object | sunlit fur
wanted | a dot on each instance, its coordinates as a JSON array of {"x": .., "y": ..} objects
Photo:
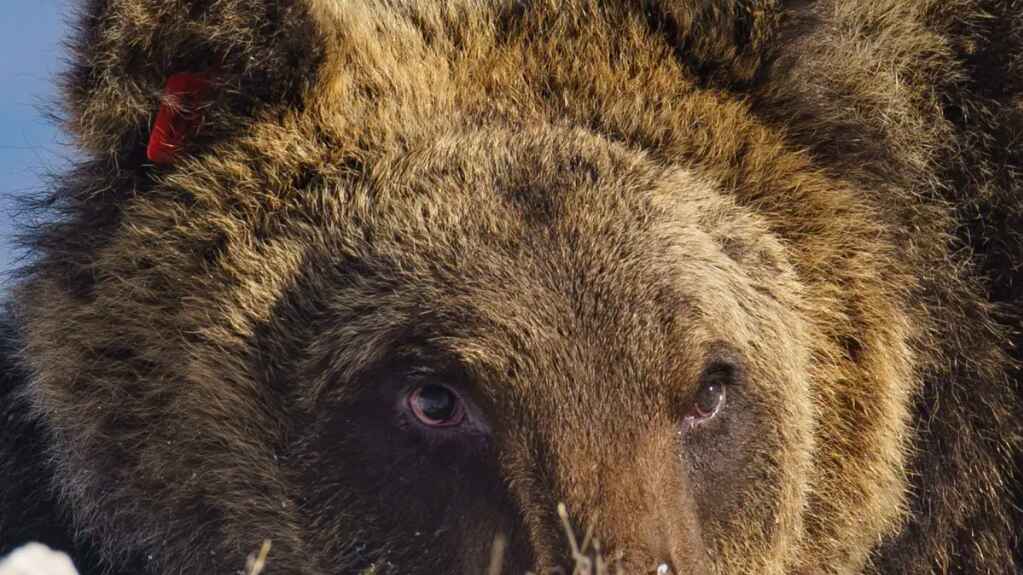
[{"x": 572, "y": 200}]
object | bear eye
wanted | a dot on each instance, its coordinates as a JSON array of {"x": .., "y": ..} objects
[
  {"x": 709, "y": 399},
  {"x": 436, "y": 406}
]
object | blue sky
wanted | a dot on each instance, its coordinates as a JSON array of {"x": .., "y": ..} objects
[{"x": 31, "y": 36}]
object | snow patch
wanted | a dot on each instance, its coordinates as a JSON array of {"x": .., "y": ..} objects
[{"x": 37, "y": 559}]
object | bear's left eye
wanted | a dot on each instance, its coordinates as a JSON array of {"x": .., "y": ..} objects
[
  {"x": 709, "y": 399},
  {"x": 436, "y": 405}
]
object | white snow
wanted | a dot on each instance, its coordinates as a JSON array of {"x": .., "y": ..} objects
[{"x": 36, "y": 559}]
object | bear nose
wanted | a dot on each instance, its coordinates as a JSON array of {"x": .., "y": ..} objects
[{"x": 664, "y": 569}]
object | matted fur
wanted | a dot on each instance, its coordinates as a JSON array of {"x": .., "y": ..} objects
[{"x": 576, "y": 207}]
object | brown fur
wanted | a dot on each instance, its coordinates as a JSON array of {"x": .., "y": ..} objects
[{"x": 571, "y": 210}]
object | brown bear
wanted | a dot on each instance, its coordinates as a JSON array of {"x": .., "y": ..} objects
[{"x": 678, "y": 286}]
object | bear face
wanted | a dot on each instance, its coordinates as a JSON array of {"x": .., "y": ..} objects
[
  {"x": 546, "y": 365},
  {"x": 486, "y": 275},
  {"x": 411, "y": 279}
]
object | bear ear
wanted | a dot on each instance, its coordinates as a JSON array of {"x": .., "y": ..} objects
[
  {"x": 724, "y": 42},
  {"x": 146, "y": 75}
]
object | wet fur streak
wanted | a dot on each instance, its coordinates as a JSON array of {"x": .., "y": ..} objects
[{"x": 571, "y": 211}]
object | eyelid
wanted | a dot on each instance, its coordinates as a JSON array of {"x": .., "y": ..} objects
[
  {"x": 719, "y": 372},
  {"x": 723, "y": 362}
]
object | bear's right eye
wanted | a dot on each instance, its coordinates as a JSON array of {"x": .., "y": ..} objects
[{"x": 436, "y": 405}]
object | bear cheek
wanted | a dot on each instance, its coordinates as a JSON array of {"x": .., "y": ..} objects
[{"x": 360, "y": 459}]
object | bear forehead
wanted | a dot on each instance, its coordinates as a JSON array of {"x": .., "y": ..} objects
[{"x": 495, "y": 250}]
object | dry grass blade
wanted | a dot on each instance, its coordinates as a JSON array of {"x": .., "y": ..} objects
[
  {"x": 497, "y": 555},
  {"x": 255, "y": 564},
  {"x": 586, "y": 563}
]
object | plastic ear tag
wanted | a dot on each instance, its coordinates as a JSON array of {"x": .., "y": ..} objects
[{"x": 178, "y": 118}]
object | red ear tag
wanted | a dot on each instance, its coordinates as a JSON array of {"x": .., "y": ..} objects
[{"x": 179, "y": 116}]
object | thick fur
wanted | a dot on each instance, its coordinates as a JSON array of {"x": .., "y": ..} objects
[{"x": 571, "y": 211}]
